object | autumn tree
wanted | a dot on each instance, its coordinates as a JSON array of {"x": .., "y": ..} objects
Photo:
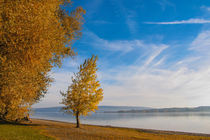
[
  {"x": 35, "y": 35},
  {"x": 84, "y": 94}
]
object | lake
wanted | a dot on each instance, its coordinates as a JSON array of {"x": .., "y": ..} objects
[{"x": 196, "y": 122}]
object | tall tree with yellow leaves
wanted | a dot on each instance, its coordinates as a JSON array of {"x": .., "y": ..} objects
[
  {"x": 35, "y": 35},
  {"x": 84, "y": 94}
]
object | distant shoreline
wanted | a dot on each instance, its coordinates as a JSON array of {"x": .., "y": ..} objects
[
  {"x": 165, "y": 110},
  {"x": 152, "y": 131},
  {"x": 139, "y": 109}
]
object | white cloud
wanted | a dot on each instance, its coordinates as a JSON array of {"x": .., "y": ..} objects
[
  {"x": 165, "y": 3},
  {"x": 187, "y": 61},
  {"x": 101, "y": 22},
  {"x": 161, "y": 61},
  {"x": 205, "y": 8},
  {"x": 128, "y": 14},
  {"x": 155, "y": 54},
  {"x": 189, "y": 21},
  {"x": 116, "y": 45},
  {"x": 202, "y": 42},
  {"x": 159, "y": 88},
  {"x": 185, "y": 82},
  {"x": 132, "y": 24}
]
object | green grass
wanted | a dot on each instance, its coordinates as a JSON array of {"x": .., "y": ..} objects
[{"x": 20, "y": 132}]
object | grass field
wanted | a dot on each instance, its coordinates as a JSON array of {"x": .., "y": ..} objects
[
  {"x": 49, "y": 130},
  {"x": 20, "y": 132}
]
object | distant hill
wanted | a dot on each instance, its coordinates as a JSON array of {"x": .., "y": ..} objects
[
  {"x": 101, "y": 109},
  {"x": 186, "y": 109},
  {"x": 131, "y": 109},
  {"x": 119, "y": 108}
]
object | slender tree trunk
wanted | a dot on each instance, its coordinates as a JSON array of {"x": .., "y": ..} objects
[{"x": 77, "y": 118}]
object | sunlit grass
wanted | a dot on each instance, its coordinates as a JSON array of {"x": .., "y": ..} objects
[{"x": 20, "y": 132}]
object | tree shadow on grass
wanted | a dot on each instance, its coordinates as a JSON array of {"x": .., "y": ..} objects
[{"x": 2, "y": 122}]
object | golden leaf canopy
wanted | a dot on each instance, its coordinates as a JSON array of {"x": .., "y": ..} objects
[{"x": 35, "y": 35}]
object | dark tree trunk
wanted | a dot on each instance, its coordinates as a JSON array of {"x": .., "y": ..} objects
[
  {"x": 4, "y": 115},
  {"x": 77, "y": 118}
]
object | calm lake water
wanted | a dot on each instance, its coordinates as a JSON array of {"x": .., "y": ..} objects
[{"x": 197, "y": 122}]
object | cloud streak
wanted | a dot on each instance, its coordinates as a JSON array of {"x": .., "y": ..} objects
[
  {"x": 123, "y": 46},
  {"x": 155, "y": 54},
  {"x": 205, "y": 8},
  {"x": 131, "y": 22},
  {"x": 202, "y": 42},
  {"x": 189, "y": 21}
]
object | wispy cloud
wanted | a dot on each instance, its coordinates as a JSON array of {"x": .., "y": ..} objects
[
  {"x": 165, "y": 3},
  {"x": 160, "y": 62},
  {"x": 101, "y": 22},
  {"x": 202, "y": 42},
  {"x": 131, "y": 22},
  {"x": 155, "y": 54},
  {"x": 116, "y": 45},
  {"x": 124, "y": 46},
  {"x": 129, "y": 15},
  {"x": 189, "y": 21},
  {"x": 205, "y": 8}
]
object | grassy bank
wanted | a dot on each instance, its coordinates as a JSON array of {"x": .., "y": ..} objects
[
  {"x": 21, "y": 132},
  {"x": 48, "y": 130}
]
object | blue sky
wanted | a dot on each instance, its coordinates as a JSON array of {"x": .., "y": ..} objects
[{"x": 153, "y": 53}]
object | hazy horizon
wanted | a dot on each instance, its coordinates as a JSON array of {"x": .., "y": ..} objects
[{"x": 128, "y": 106}]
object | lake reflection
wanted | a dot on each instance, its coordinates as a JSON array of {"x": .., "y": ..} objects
[{"x": 198, "y": 122}]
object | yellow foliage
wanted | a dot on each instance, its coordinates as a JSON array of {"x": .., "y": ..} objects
[
  {"x": 35, "y": 35},
  {"x": 84, "y": 94}
]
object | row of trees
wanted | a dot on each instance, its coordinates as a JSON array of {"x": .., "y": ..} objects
[{"x": 35, "y": 35}]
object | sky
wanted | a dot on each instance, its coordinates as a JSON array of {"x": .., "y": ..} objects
[{"x": 152, "y": 53}]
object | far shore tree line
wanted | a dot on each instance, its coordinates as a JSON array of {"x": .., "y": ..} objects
[{"x": 35, "y": 36}]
